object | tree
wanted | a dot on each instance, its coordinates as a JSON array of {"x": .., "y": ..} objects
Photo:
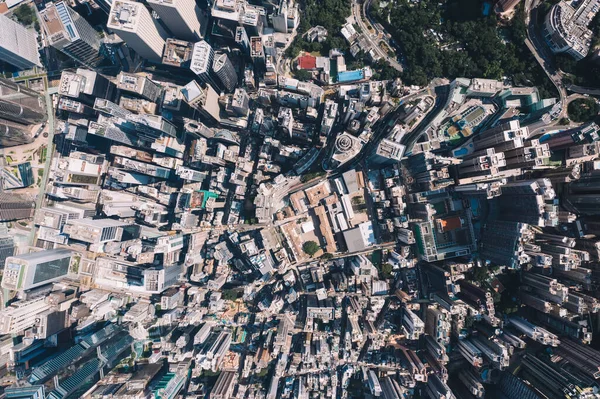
[
  {"x": 303, "y": 75},
  {"x": 480, "y": 274},
  {"x": 387, "y": 269},
  {"x": 326, "y": 256},
  {"x": 25, "y": 14},
  {"x": 583, "y": 110},
  {"x": 310, "y": 248}
]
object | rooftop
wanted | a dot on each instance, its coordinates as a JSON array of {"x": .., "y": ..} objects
[
  {"x": 124, "y": 15},
  {"x": 201, "y": 58},
  {"x": 177, "y": 52}
]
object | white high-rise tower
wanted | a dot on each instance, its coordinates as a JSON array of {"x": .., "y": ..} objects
[
  {"x": 182, "y": 17},
  {"x": 134, "y": 24},
  {"x": 18, "y": 45}
]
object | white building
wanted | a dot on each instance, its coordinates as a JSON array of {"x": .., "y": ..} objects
[
  {"x": 32, "y": 270},
  {"x": 566, "y": 28},
  {"x": 18, "y": 45},
  {"x": 135, "y": 25},
  {"x": 21, "y": 315},
  {"x": 201, "y": 63},
  {"x": 182, "y": 17}
]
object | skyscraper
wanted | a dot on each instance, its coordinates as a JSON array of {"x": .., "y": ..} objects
[
  {"x": 182, "y": 17},
  {"x": 20, "y": 108},
  {"x": 7, "y": 248},
  {"x": 18, "y": 45},
  {"x": 223, "y": 68},
  {"x": 70, "y": 33},
  {"x": 14, "y": 207},
  {"x": 140, "y": 85},
  {"x": 204, "y": 99},
  {"x": 202, "y": 61},
  {"x": 135, "y": 25}
]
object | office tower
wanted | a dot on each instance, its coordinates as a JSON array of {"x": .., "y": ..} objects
[
  {"x": 583, "y": 195},
  {"x": 100, "y": 231},
  {"x": 241, "y": 38},
  {"x": 7, "y": 248},
  {"x": 135, "y": 25},
  {"x": 202, "y": 61},
  {"x": 224, "y": 385},
  {"x": 286, "y": 18},
  {"x": 21, "y": 315},
  {"x": 223, "y": 68},
  {"x": 388, "y": 152},
  {"x": 140, "y": 85},
  {"x": 500, "y": 243},
  {"x": 212, "y": 353},
  {"x": 257, "y": 52},
  {"x": 204, "y": 99},
  {"x": 18, "y": 45},
  {"x": 21, "y": 114},
  {"x": 24, "y": 272},
  {"x": 182, "y": 17},
  {"x": 15, "y": 207},
  {"x": 177, "y": 53},
  {"x": 86, "y": 86},
  {"x": 32, "y": 392},
  {"x": 20, "y": 107},
  {"x": 239, "y": 104},
  {"x": 228, "y": 15},
  {"x": 412, "y": 325},
  {"x": 71, "y": 34}
]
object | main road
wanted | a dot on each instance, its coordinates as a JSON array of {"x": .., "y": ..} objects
[{"x": 49, "y": 156}]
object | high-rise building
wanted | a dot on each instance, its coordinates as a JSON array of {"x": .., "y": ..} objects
[
  {"x": 15, "y": 207},
  {"x": 223, "y": 68},
  {"x": 7, "y": 248},
  {"x": 32, "y": 392},
  {"x": 240, "y": 103},
  {"x": 20, "y": 104},
  {"x": 241, "y": 38},
  {"x": 204, "y": 99},
  {"x": 202, "y": 60},
  {"x": 182, "y": 17},
  {"x": 71, "y": 34},
  {"x": 86, "y": 86},
  {"x": 22, "y": 315},
  {"x": 18, "y": 45},
  {"x": 140, "y": 85},
  {"x": 135, "y": 25},
  {"x": 24, "y": 272}
]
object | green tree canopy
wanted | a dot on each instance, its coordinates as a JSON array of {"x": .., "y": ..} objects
[
  {"x": 310, "y": 247},
  {"x": 25, "y": 14},
  {"x": 583, "y": 110}
]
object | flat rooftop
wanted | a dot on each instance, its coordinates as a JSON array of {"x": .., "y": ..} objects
[
  {"x": 177, "y": 52},
  {"x": 124, "y": 15},
  {"x": 131, "y": 82}
]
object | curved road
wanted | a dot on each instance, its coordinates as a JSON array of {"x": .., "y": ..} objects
[{"x": 372, "y": 39}]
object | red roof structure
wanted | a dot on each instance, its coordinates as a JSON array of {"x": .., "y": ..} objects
[{"x": 307, "y": 62}]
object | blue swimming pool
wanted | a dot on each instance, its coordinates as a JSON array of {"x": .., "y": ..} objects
[{"x": 350, "y": 76}]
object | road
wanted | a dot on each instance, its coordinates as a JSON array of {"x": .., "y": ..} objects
[
  {"x": 413, "y": 136},
  {"x": 49, "y": 156},
  {"x": 591, "y": 91},
  {"x": 279, "y": 66},
  {"x": 372, "y": 38},
  {"x": 544, "y": 56}
]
